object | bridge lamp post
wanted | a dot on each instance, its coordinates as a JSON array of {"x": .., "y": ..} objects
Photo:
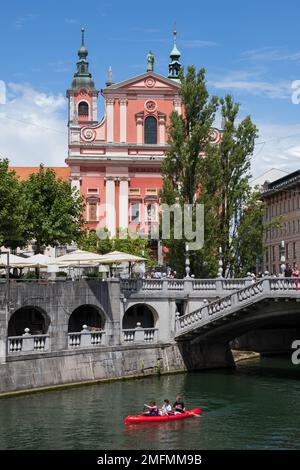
[
  {"x": 282, "y": 257},
  {"x": 220, "y": 269}
]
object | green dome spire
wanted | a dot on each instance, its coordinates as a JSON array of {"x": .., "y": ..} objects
[
  {"x": 83, "y": 78},
  {"x": 174, "y": 65}
]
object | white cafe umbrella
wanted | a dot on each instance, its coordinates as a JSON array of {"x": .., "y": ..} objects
[
  {"x": 14, "y": 261},
  {"x": 39, "y": 261},
  {"x": 79, "y": 258},
  {"x": 120, "y": 257}
]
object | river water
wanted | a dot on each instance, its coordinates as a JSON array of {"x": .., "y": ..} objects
[{"x": 256, "y": 406}]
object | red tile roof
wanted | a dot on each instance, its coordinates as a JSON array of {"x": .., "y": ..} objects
[{"x": 23, "y": 172}]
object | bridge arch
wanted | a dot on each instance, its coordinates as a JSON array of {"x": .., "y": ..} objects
[
  {"x": 141, "y": 313},
  {"x": 32, "y": 317},
  {"x": 87, "y": 314}
]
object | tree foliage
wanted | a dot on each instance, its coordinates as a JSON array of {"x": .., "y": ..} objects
[
  {"x": 195, "y": 171},
  {"x": 13, "y": 211},
  {"x": 54, "y": 210}
]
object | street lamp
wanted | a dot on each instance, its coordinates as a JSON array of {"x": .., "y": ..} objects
[
  {"x": 220, "y": 269},
  {"x": 187, "y": 261},
  {"x": 282, "y": 257}
]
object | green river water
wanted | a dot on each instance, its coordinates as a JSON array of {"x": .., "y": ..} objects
[{"x": 256, "y": 406}]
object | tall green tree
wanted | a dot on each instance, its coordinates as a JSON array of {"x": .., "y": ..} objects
[
  {"x": 188, "y": 138},
  {"x": 217, "y": 176},
  {"x": 226, "y": 193},
  {"x": 54, "y": 210},
  {"x": 12, "y": 208}
]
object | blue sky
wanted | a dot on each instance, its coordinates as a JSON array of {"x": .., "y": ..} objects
[{"x": 251, "y": 50}]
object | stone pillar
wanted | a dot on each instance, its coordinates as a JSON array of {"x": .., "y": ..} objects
[
  {"x": 139, "y": 127},
  {"x": 123, "y": 203},
  {"x": 75, "y": 183},
  {"x": 110, "y": 207},
  {"x": 177, "y": 105},
  {"x": 3, "y": 332},
  {"x": 110, "y": 119},
  {"x": 162, "y": 128},
  {"x": 123, "y": 120}
]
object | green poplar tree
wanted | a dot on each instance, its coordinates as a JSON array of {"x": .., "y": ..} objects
[{"x": 189, "y": 136}]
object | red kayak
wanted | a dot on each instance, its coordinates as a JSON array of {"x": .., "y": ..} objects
[{"x": 151, "y": 419}]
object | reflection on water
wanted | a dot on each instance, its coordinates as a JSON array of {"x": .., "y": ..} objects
[{"x": 255, "y": 406}]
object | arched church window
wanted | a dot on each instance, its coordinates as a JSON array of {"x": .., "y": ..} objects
[
  {"x": 83, "y": 109},
  {"x": 150, "y": 129}
]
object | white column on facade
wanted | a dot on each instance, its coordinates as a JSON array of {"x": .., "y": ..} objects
[
  {"x": 110, "y": 119},
  {"x": 162, "y": 128},
  {"x": 75, "y": 183},
  {"x": 123, "y": 120},
  {"x": 177, "y": 105},
  {"x": 110, "y": 206},
  {"x": 123, "y": 203},
  {"x": 95, "y": 108},
  {"x": 139, "y": 128},
  {"x": 71, "y": 107}
]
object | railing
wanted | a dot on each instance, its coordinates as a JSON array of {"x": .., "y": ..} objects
[
  {"x": 139, "y": 335},
  {"x": 86, "y": 339},
  {"x": 221, "y": 308},
  {"x": 28, "y": 343},
  {"x": 175, "y": 284},
  {"x": 152, "y": 284},
  {"x": 216, "y": 286}
]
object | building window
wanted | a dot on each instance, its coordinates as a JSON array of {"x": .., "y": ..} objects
[
  {"x": 83, "y": 109},
  {"x": 93, "y": 190},
  {"x": 294, "y": 250},
  {"x": 287, "y": 251},
  {"x": 135, "y": 212},
  {"x": 92, "y": 212},
  {"x": 150, "y": 130}
]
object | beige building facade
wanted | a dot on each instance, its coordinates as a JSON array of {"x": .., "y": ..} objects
[{"x": 282, "y": 205}]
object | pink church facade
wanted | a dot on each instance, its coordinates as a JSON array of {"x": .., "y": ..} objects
[{"x": 115, "y": 162}]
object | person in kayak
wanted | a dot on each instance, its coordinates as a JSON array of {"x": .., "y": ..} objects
[
  {"x": 166, "y": 409},
  {"x": 153, "y": 410},
  {"x": 178, "y": 406}
]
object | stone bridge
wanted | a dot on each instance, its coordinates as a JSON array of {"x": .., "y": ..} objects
[
  {"x": 66, "y": 332},
  {"x": 271, "y": 303}
]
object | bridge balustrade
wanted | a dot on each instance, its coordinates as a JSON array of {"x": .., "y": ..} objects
[
  {"x": 86, "y": 339},
  {"x": 139, "y": 335},
  {"x": 28, "y": 343},
  {"x": 229, "y": 305}
]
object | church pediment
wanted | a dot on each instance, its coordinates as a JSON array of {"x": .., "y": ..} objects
[{"x": 146, "y": 81}]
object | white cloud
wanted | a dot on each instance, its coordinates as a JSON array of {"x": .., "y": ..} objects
[
  {"x": 21, "y": 21},
  {"x": 71, "y": 21},
  {"x": 195, "y": 43},
  {"x": 278, "y": 146},
  {"x": 270, "y": 53},
  {"x": 33, "y": 127},
  {"x": 252, "y": 82}
]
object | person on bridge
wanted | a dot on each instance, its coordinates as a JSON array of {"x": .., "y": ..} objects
[
  {"x": 178, "y": 406},
  {"x": 295, "y": 275},
  {"x": 288, "y": 271}
]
